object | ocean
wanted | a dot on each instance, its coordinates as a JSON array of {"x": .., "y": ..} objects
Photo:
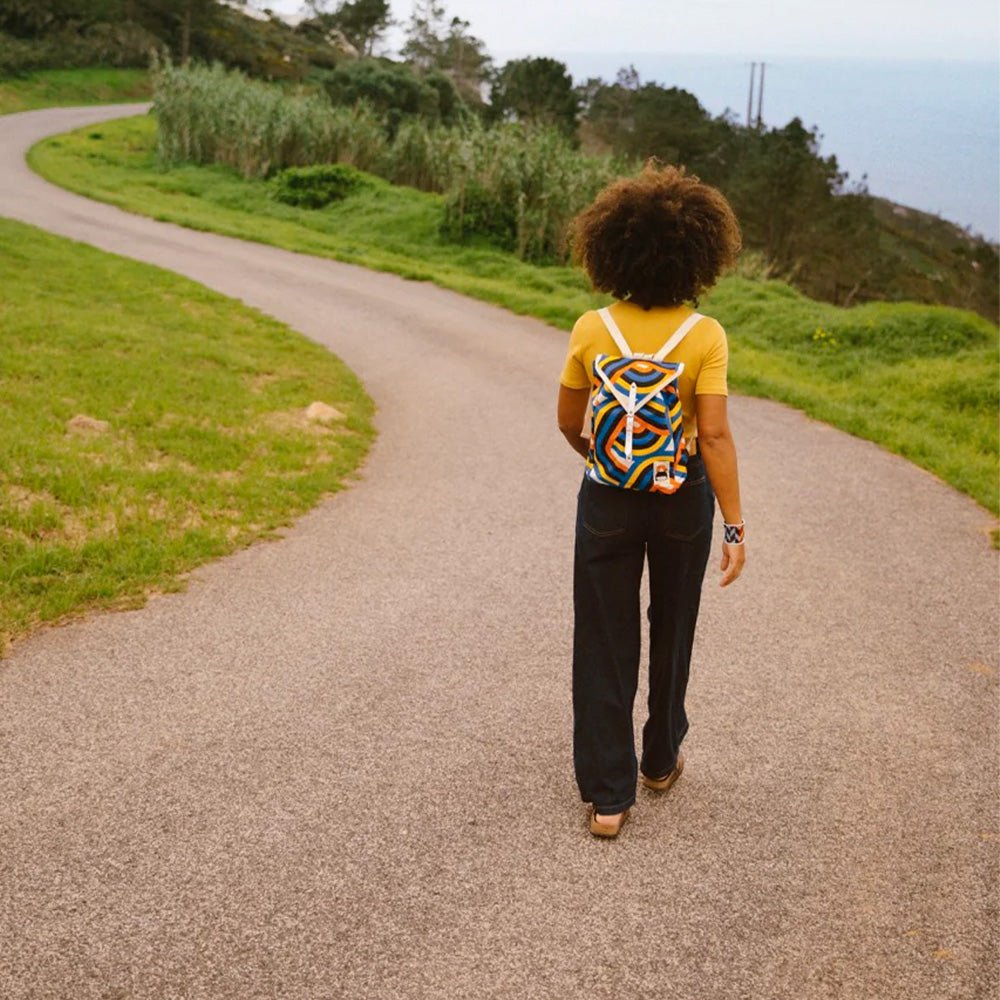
[{"x": 924, "y": 133}]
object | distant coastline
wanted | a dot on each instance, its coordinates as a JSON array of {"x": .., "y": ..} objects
[{"x": 926, "y": 132}]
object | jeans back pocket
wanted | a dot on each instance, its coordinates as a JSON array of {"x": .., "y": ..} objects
[
  {"x": 688, "y": 512},
  {"x": 603, "y": 511}
]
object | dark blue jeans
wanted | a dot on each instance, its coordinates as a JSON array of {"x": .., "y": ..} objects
[{"x": 617, "y": 532}]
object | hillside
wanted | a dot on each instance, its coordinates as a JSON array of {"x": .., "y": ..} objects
[{"x": 937, "y": 261}]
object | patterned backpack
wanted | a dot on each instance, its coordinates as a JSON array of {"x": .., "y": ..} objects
[{"x": 637, "y": 435}]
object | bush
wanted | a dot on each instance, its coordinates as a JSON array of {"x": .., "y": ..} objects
[
  {"x": 531, "y": 174},
  {"x": 268, "y": 48},
  {"x": 102, "y": 44},
  {"x": 19, "y": 56},
  {"x": 470, "y": 211},
  {"x": 314, "y": 187}
]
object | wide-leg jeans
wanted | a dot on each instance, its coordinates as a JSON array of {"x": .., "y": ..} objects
[{"x": 617, "y": 532}]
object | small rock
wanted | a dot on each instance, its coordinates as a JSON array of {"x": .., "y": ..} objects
[
  {"x": 322, "y": 412},
  {"x": 82, "y": 424}
]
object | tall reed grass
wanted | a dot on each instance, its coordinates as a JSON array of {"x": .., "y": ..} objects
[
  {"x": 213, "y": 115},
  {"x": 516, "y": 187}
]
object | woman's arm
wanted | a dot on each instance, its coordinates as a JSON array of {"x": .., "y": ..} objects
[
  {"x": 571, "y": 409},
  {"x": 718, "y": 451}
]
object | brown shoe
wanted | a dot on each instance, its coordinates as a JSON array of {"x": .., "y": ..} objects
[
  {"x": 662, "y": 784},
  {"x": 601, "y": 829}
]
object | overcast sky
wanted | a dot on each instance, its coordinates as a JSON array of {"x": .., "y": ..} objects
[{"x": 949, "y": 29}]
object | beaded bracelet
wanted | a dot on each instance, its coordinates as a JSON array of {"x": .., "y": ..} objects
[{"x": 735, "y": 533}]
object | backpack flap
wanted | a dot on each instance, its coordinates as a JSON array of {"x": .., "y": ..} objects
[{"x": 632, "y": 402}]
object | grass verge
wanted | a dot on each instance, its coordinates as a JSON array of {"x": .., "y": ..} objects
[
  {"x": 69, "y": 87},
  {"x": 205, "y": 448},
  {"x": 921, "y": 381}
]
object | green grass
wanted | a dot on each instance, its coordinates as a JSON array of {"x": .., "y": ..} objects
[
  {"x": 919, "y": 380},
  {"x": 70, "y": 87},
  {"x": 206, "y": 448}
]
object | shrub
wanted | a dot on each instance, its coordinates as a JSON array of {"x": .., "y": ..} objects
[
  {"x": 314, "y": 187},
  {"x": 532, "y": 174},
  {"x": 101, "y": 44},
  {"x": 267, "y": 48},
  {"x": 426, "y": 158},
  {"x": 471, "y": 211},
  {"x": 18, "y": 55}
]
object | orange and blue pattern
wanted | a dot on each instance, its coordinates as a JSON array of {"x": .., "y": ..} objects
[{"x": 637, "y": 433}]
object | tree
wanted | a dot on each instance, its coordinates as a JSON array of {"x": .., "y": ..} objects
[
  {"x": 36, "y": 18},
  {"x": 537, "y": 90},
  {"x": 798, "y": 208},
  {"x": 395, "y": 91},
  {"x": 424, "y": 46},
  {"x": 779, "y": 182},
  {"x": 362, "y": 22},
  {"x": 185, "y": 25},
  {"x": 642, "y": 120},
  {"x": 434, "y": 44},
  {"x": 465, "y": 59}
]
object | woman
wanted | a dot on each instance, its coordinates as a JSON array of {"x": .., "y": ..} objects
[{"x": 655, "y": 243}]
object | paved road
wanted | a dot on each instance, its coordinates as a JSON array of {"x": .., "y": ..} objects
[{"x": 299, "y": 778}]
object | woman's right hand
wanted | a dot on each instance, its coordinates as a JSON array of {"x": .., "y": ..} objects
[{"x": 734, "y": 558}]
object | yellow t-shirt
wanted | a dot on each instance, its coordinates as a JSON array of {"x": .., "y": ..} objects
[{"x": 703, "y": 350}]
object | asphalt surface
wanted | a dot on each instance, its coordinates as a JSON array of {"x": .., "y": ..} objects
[{"x": 338, "y": 765}]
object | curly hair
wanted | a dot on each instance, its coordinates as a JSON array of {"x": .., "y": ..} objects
[{"x": 660, "y": 239}]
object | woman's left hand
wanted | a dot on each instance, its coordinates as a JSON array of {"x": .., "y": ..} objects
[{"x": 734, "y": 557}]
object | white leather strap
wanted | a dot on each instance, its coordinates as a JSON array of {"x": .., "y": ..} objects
[
  {"x": 679, "y": 334},
  {"x": 622, "y": 344},
  {"x": 616, "y": 335}
]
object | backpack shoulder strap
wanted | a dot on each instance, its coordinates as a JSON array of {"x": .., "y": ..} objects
[
  {"x": 616, "y": 335},
  {"x": 681, "y": 332}
]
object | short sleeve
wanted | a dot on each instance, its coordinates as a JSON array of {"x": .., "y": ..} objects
[
  {"x": 712, "y": 376},
  {"x": 574, "y": 373}
]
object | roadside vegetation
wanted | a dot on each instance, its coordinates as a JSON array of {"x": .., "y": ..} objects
[
  {"x": 515, "y": 147},
  {"x": 920, "y": 380},
  {"x": 510, "y": 186},
  {"x": 69, "y": 87},
  {"x": 147, "y": 425}
]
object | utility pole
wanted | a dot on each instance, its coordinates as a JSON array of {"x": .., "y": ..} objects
[
  {"x": 186, "y": 34},
  {"x": 753, "y": 70},
  {"x": 760, "y": 96}
]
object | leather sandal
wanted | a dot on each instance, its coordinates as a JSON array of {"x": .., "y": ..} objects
[
  {"x": 664, "y": 783},
  {"x": 601, "y": 829}
]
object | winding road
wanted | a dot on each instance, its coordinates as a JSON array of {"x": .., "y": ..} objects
[{"x": 338, "y": 765}]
